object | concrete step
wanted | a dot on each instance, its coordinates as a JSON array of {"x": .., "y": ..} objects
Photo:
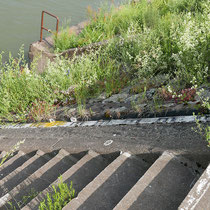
[
  {"x": 40, "y": 179},
  {"x": 14, "y": 162},
  {"x": 82, "y": 173},
  {"x": 23, "y": 172},
  {"x": 106, "y": 181},
  {"x": 199, "y": 196},
  {"x": 108, "y": 188},
  {"x": 162, "y": 187}
]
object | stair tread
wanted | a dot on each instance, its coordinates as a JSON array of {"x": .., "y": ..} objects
[
  {"x": 14, "y": 162},
  {"x": 163, "y": 186},
  {"x": 198, "y": 197},
  {"x": 41, "y": 177},
  {"x": 102, "y": 181},
  {"x": 22, "y": 172},
  {"x": 80, "y": 174},
  {"x": 12, "y": 159},
  {"x": 111, "y": 184}
]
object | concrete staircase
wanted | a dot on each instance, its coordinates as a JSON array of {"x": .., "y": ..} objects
[{"x": 106, "y": 181}]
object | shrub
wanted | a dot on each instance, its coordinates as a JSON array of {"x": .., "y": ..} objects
[
  {"x": 84, "y": 73},
  {"x": 176, "y": 43}
]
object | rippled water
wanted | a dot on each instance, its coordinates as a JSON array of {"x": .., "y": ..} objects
[{"x": 20, "y": 19}]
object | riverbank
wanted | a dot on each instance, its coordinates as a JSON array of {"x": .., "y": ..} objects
[{"x": 142, "y": 72}]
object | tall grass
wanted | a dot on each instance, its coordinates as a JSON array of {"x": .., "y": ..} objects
[
  {"x": 105, "y": 24},
  {"x": 173, "y": 38},
  {"x": 89, "y": 75},
  {"x": 20, "y": 87},
  {"x": 28, "y": 96}
]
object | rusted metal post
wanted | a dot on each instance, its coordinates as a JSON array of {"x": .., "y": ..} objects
[{"x": 42, "y": 22}]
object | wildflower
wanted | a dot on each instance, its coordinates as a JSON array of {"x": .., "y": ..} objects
[
  {"x": 68, "y": 72},
  {"x": 169, "y": 89}
]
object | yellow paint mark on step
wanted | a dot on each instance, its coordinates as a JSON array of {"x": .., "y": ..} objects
[
  {"x": 54, "y": 123},
  {"x": 48, "y": 125}
]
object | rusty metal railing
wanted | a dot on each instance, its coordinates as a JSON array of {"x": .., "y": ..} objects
[{"x": 42, "y": 21}]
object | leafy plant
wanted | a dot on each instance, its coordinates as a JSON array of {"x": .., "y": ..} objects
[
  {"x": 62, "y": 194},
  {"x": 183, "y": 95},
  {"x": 203, "y": 130}
]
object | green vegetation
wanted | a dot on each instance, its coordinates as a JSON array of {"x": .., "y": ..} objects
[
  {"x": 104, "y": 24},
  {"x": 20, "y": 89},
  {"x": 28, "y": 96},
  {"x": 11, "y": 152},
  {"x": 203, "y": 130},
  {"x": 62, "y": 195},
  {"x": 148, "y": 41}
]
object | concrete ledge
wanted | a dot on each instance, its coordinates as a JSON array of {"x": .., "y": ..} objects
[{"x": 137, "y": 121}]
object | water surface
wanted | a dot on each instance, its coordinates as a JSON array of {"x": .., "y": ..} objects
[{"x": 20, "y": 20}]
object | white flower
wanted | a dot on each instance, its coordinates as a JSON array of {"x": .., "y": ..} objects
[{"x": 169, "y": 89}]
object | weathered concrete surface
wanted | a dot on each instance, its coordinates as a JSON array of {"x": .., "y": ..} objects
[
  {"x": 22, "y": 172},
  {"x": 83, "y": 172},
  {"x": 107, "y": 189},
  {"x": 129, "y": 105},
  {"x": 153, "y": 192},
  {"x": 149, "y": 138},
  {"x": 199, "y": 197},
  {"x": 102, "y": 181}
]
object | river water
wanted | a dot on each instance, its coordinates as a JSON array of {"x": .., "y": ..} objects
[{"x": 20, "y": 20}]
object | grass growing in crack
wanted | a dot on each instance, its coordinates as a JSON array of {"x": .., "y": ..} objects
[
  {"x": 11, "y": 152},
  {"x": 41, "y": 110},
  {"x": 62, "y": 194}
]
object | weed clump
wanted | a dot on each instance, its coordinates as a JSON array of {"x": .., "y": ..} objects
[{"x": 61, "y": 195}]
